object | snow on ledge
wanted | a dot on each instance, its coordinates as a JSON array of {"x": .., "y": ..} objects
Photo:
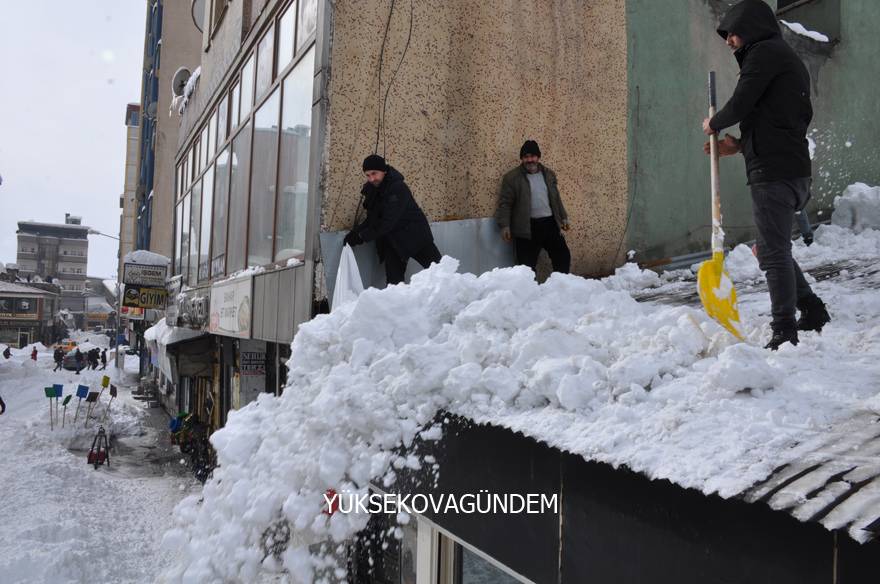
[
  {"x": 145, "y": 258},
  {"x": 800, "y": 29}
]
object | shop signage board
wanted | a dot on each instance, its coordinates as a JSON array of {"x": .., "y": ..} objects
[
  {"x": 144, "y": 275},
  {"x": 230, "y": 308},
  {"x": 144, "y": 297}
]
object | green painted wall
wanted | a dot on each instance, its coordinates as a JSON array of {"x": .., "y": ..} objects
[{"x": 672, "y": 44}]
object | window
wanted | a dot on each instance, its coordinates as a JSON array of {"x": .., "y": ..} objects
[
  {"x": 221, "y": 204},
  {"x": 184, "y": 237},
  {"x": 218, "y": 8},
  {"x": 212, "y": 136},
  {"x": 262, "y": 203},
  {"x": 194, "y": 236},
  {"x": 265, "y": 64},
  {"x": 238, "y": 199},
  {"x": 308, "y": 21},
  {"x": 247, "y": 88},
  {"x": 293, "y": 179},
  {"x": 817, "y": 15},
  {"x": 222, "y": 120},
  {"x": 203, "y": 145},
  {"x": 285, "y": 36},
  {"x": 234, "y": 99},
  {"x": 205, "y": 234}
]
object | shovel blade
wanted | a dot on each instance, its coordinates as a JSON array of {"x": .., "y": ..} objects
[{"x": 718, "y": 294}]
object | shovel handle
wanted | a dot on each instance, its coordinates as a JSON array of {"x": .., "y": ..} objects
[{"x": 717, "y": 233}]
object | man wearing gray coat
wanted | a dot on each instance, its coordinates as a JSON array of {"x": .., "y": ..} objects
[{"x": 530, "y": 211}]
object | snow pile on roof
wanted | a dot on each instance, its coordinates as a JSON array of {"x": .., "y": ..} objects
[
  {"x": 575, "y": 363},
  {"x": 858, "y": 208},
  {"x": 801, "y": 30},
  {"x": 162, "y": 334},
  {"x": 145, "y": 258}
]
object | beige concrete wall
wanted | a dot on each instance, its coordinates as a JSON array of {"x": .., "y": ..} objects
[
  {"x": 478, "y": 79},
  {"x": 181, "y": 47}
]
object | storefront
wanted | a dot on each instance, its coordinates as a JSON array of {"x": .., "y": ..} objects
[{"x": 25, "y": 315}]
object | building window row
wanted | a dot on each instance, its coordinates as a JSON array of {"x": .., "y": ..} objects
[{"x": 242, "y": 186}]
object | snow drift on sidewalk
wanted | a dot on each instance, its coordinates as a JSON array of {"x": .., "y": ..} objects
[{"x": 575, "y": 363}]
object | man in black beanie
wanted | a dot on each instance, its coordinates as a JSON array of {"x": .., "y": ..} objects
[
  {"x": 394, "y": 221},
  {"x": 530, "y": 211}
]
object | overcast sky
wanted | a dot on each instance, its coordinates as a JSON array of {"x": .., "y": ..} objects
[{"x": 68, "y": 69}]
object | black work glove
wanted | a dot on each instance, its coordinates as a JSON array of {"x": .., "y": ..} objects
[{"x": 353, "y": 238}]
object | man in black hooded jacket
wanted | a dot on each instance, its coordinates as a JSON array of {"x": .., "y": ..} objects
[
  {"x": 394, "y": 221},
  {"x": 771, "y": 104}
]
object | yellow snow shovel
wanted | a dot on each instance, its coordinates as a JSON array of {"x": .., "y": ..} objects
[{"x": 713, "y": 281}]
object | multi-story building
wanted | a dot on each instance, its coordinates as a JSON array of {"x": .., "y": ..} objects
[
  {"x": 171, "y": 41},
  {"x": 128, "y": 198},
  {"x": 56, "y": 252},
  {"x": 26, "y": 314}
]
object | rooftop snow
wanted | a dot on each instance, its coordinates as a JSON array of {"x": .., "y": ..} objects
[{"x": 578, "y": 364}]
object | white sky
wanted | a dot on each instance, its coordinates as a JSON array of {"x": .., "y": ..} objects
[{"x": 68, "y": 69}]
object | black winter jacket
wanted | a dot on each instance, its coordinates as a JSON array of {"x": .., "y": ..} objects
[
  {"x": 771, "y": 101},
  {"x": 394, "y": 219}
]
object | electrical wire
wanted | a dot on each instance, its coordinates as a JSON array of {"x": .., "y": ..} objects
[
  {"x": 394, "y": 75},
  {"x": 381, "y": 62}
]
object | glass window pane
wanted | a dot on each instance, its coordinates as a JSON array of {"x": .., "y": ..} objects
[
  {"x": 293, "y": 178},
  {"x": 205, "y": 239},
  {"x": 212, "y": 136},
  {"x": 265, "y": 54},
  {"x": 473, "y": 569},
  {"x": 179, "y": 181},
  {"x": 285, "y": 36},
  {"x": 221, "y": 204},
  {"x": 308, "y": 20},
  {"x": 236, "y": 97},
  {"x": 247, "y": 88},
  {"x": 222, "y": 121},
  {"x": 262, "y": 205},
  {"x": 184, "y": 237},
  {"x": 190, "y": 165},
  {"x": 178, "y": 229},
  {"x": 238, "y": 199},
  {"x": 194, "y": 236},
  {"x": 203, "y": 145}
]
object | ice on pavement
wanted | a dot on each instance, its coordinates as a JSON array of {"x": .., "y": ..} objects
[{"x": 578, "y": 364}]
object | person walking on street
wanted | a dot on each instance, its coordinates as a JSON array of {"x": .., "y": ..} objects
[
  {"x": 78, "y": 358},
  {"x": 59, "y": 358},
  {"x": 530, "y": 211},
  {"x": 394, "y": 221},
  {"x": 34, "y": 354},
  {"x": 771, "y": 103},
  {"x": 7, "y": 353},
  {"x": 103, "y": 359}
]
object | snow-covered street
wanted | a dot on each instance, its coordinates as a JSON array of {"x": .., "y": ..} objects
[{"x": 61, "y": 520}]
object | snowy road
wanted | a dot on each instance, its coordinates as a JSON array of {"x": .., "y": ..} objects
[{"x": 60, "y": 519}]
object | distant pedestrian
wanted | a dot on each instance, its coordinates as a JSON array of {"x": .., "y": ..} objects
[
  {"x": 7, "y": 353},
  {"x": 93, "y": 358},
  {"x": 59, "y": 358},
  {"x": 103, "y": 359},
  {"x": 79, "y": 358},
  {"x": 34, "y": 354}
]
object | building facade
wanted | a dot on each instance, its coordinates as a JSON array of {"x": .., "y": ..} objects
[
  {"x": 26, "y": 315},
  {"x": 128, "y": 198},
  {"x": 56, "y": 252}
]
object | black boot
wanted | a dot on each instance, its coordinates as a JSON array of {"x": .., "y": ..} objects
[
  {"x": 813, "y": 314},
  {"x": 782, "y": 335}
]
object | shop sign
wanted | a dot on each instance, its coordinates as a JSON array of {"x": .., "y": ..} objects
[
  {"x": 143, "y": 275},
  {"x": 230, "y": 308},
  {"x": 143, "y": 297}
]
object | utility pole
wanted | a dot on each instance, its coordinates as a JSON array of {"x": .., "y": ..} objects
[{"x": 120, "y": 358}]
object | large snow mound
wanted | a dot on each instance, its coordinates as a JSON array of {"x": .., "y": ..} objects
[
  {"x": 858, "y": 208},
  {"x": 578, "y": 364}
]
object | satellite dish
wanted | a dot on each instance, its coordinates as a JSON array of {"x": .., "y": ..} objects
[
  {"x": 198, "y": 14},
  {"x": 178, "y": 82},
  {"x": 151, "y": 110}
]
